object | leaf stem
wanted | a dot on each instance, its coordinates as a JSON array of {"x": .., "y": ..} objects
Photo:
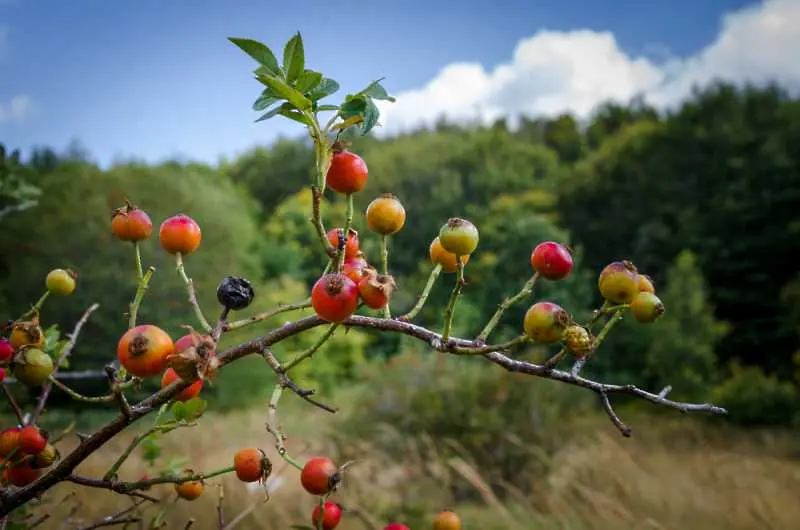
[
  {"x": 437, "y": 269},
  {"x": 192, "y": 295},
  {"x": 451, "y": 304},
  {"x": 526, "y": 290}
]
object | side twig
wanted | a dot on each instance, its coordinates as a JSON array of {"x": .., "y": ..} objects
[
  {"x": 437, "y": 269},
  {"x": 526, "y": 291},
  {"x": 192, "y": 294}
]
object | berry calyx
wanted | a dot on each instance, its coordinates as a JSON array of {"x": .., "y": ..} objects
[
  {"x": 180, "y": 234},
  {"x": 193, "y": 390},
  {"x": 190, "y": 490},
  {"x": 552, "y": 260},
  {"x": 353, "y": 268},
  {"x": 546, "y": 322},
  {"x": 6, "y": 350},
  {"x": 143, "y": 350},
  {"x": 376, "y": 289},
  {"x": 61, "y": 282},
  {"x": 26, "y": 333},
  {"x": 194, "y": 357},
  {"x": 459, "y": 236},
  {"x": 235, "y": 293},
  {"x": 447, "y": 520},
  {"x": 319, "y": 475},
  {"x": 31, "y": 440},
  {"x": 351, "y": 243},
  {"x": 578, "y": 340},
  {"x": 647, "y": 307},
  {"x": 444, "y": 258},
  {"x": 618, "y": 282},
  {"x": 646, "y": 284},
  {"x": 331, "y": 513},
  {"x": 386, "y": 215},
  {"x": 347, "y": 173},
  {"x": 334, "y": 297},
  {"x": 252, "y": 465},
  {"x": 31, "y": 366},
  {"x": 129, "y": 223}
]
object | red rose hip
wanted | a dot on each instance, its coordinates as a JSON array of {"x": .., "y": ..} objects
[
  {"x": 348, "y": 172},
  {"x": 331, "y": 515},
  {"x": 552, "y": 260},
  {"x": 317, "y": 476},
  {"x": 180, "y": 234},
  {"x": 334, "y": 297}
]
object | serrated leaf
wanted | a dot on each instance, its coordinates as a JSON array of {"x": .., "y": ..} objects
[
  {"x": 325, "y": 88},
  {"x": 294, "y": 60},
  {"x": 376, "y": 91},
  {"x": 260, "y": 52},
  {"x": 371, "y": 115},
  {"x": 353, "y": 106},
  {"x": 323, "y": 108},
  {"x": 307, "y": 81},
  {"x": 266, "y": 99},
  {"x": 283, "y": 90}
]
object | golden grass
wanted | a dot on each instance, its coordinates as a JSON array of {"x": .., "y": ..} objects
[{"x": 668, "y": 478}]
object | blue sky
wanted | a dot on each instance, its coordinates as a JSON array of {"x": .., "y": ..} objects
[{"x": 155, "y": 79}]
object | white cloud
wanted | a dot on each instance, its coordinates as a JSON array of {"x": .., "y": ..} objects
[
  {"x": 17, "y": 109},
  {"x": 553, "y": 72}
]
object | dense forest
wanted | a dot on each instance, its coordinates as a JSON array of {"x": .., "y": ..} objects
[{"x": 704, "y": 198}]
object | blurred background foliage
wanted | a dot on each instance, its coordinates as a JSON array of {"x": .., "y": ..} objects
[{"x": 704, "y": 199}]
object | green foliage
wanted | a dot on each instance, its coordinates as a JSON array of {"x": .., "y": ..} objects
[
  {"x": 17, "y": 193},
  {"x": 754, "y": 398}
]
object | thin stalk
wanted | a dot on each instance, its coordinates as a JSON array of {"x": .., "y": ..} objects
[
  {"x": 348, "y": 222},
  {"x": 36, "y": 307},
  {"x": 144, "y": 282},
  {"x": 615, "y": 318},
  {"x": 80, "y": 397},
  {"x": 437, "y": 269},
  {"x": 272, "y": 426},
  {"x": 451, "y": 304},
  {"x": 312, "y": 350},
  {"x": 138, "y": 255},
  {"x": 387, "y": 313},
  {"x": 192, "y": 295},
  {"x": 526, "y": 290},
  {"x": 268, "y": 314}
]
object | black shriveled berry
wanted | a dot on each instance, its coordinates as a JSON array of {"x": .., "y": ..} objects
[{"x": 235, "y": 293}]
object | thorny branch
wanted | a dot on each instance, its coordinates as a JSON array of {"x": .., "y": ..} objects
[
  {"x": 63, "y": 356},
  {"x": 63, "y": 469}
]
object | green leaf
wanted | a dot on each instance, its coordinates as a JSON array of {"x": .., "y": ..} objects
[
  {"x": 296, "y": 116},
  {"x": 266, "y": 99},
  {"x": 353, "y": 106},
  {"x": 151, "y": 449},
  {"x": 179, "y": 411},
  {"x": 323, "y": 108},
  {"x": 269, "y": 114},
  {"x": 260, "y": 52},
  {"x": 294, "y": 60},
  {"x": 307, "y": 81},
  {"x": 195, "y": 408},
  {"x": 376, "y": 91},
  {"x": 371, "y": 115},
  {"x": 285, "y": 91},
  {"x": 325, "y": 88}
]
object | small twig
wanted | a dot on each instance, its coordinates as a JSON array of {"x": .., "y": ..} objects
[
  {"x": 316, "y": 219},
  {"x": 192, "y": 294},
  {"x": 138, "y": 256},
  {"x": 37, "y": 307},
  {"x": 116, "y": 391},
  {"x": 220, "y": 511},
  {"x": 130, "y": 488},
  {"x": 553, "y": 361},
  {"x": 615, "y": 318},
  {"x": 437, "y": 269},
  {"x": 274, "y": 429},
  {"x": 618, "y": 423},
  {"x": 665, "y": 391},
  {"x": 162, "y": 428},
  {"x": 291, "y": 385},
  {"x": 523, "y": 293},
  {"x": 115, "y": 522},
  {"x": 230, "y": 326},
  {"x": 141, "y": 288},
  {"x": 387, "y": 313},
  {"x": 189, "y": 523},
  {"x": 348, "y": 222},
  {"x": 14, "y": 404},
  {"x": 39, "y": 521},
  {"x": 483, "y": 350},
  {"x": 578, "y": 366},
  {"x": 216, "y": 333},
  {"x": 108, "y": 398},
  {"x": 451, "y": 304},
  {"x": 63, "y": 356},
  {"x": 312, "y": 350}
]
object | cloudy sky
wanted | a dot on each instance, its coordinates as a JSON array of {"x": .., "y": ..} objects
[{"x": 155, "y": 79}]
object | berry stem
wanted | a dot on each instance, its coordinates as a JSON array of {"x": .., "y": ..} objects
[
  {"x": 615, "y": 318},
  {"x": 230, "y": 326},
  {"x": 451, "y": 304},
  {"x": 312, "y": 350},
  {"x": 138, "y": 254},
  {"x": 316, "y": 219},
  {"x": 36, "y": 307},
  {"x": 385, "y": 268},
  {"x": 192, "y": 294},
  {"x": 437, "y": 269},
  {"x": 274, "y": 430},
  {"x": 80, "y": 397},
  {"x": 137, "y": 299},
  {"x": 483, "y": 350},
  {"x": 14, "y": 405},
  {"x": 348, "y": 222},
  {"x": 321, "y": 518},
  {"x": 526, "y": 290},
  {"x": 553, "y": 361}
]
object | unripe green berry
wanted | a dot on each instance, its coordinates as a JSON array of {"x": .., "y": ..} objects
[
  {"x": 619, "y": 282},
  {"x": 647, "y": 307},
  {"x": 61, "y": 282},
  {"x": 545, "y": 322},
  {"x": 459, "y": 236},
  {"x": 32, "y": 366}
]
